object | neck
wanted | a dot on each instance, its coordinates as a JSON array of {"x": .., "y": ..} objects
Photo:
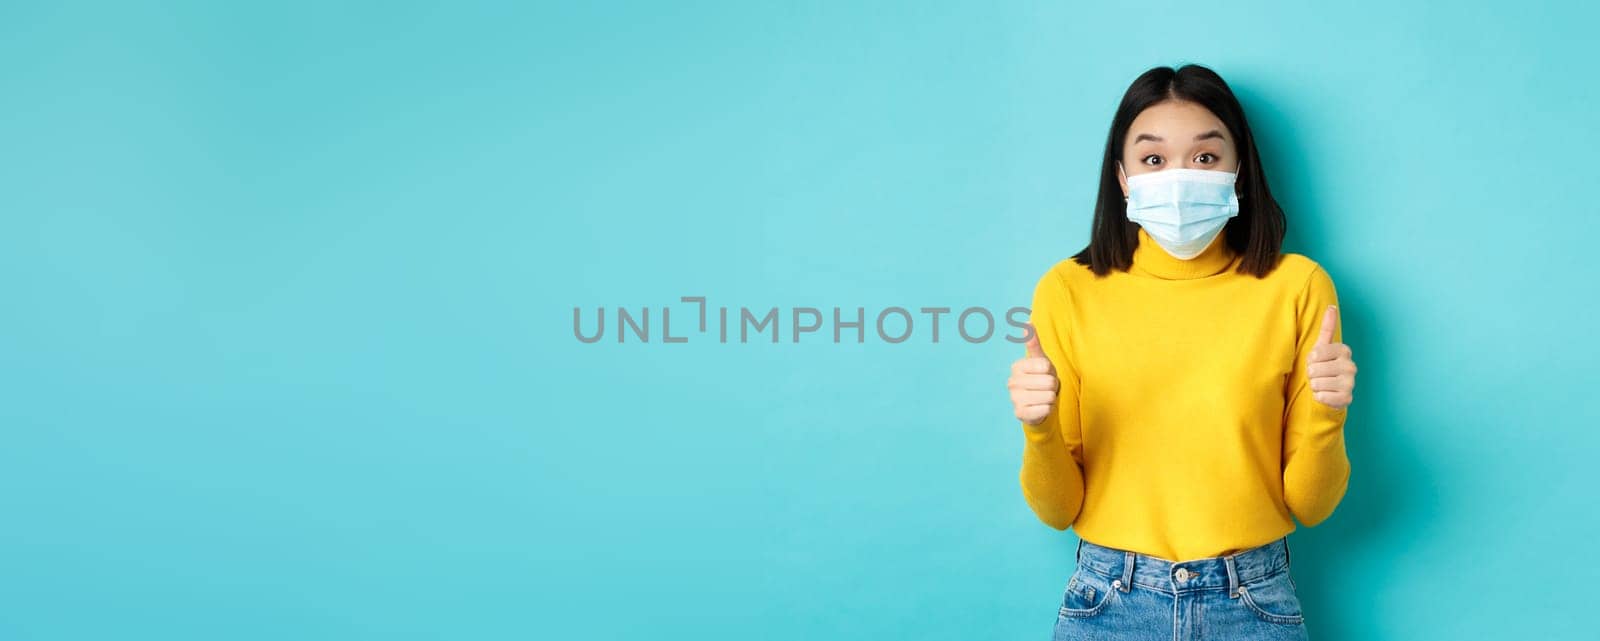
[{"x": 1150, "y": 259}]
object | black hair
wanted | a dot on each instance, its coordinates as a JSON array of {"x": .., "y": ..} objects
[{"x": 1256, "y": 233}]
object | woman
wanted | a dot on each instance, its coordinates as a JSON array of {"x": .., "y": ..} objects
[{"x": 1185, "y": 389}]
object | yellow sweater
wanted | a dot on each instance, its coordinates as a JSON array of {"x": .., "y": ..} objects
[{"x": 1185, "y": 426}]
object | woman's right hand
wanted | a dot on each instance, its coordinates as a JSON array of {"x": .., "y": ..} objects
[{"x": 1033, "y": 383}]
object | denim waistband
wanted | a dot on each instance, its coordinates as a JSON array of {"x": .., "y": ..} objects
[{"x": 1227, "y": 571}]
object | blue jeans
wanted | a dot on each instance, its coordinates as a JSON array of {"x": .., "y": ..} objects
[{"x": 1118, "y": 594}]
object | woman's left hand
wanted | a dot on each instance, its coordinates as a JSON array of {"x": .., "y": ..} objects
[{"x": 1332, "y": 372}]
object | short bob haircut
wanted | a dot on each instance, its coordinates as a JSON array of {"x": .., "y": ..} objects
[{"x": 1256, "y": 233}]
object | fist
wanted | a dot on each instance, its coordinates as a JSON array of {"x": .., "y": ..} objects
[
  {"x": 1033, "y": 383},
  {"x": 1331, "y": 371}
]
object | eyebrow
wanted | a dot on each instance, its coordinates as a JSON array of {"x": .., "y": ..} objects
[{"x": 1214, "y": 133}]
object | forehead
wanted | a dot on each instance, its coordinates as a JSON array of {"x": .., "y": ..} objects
[{"x": 1175, "y": 121}]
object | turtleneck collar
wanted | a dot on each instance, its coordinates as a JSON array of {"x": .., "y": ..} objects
[{"x": 1150, "y": 259}]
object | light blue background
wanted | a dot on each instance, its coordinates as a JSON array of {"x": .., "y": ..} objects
[{"x": 287, "y": 296}]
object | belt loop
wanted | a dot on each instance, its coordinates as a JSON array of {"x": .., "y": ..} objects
[
  {"x": 1127, "y": 570},
  {"x": 1233, "y": 576}
]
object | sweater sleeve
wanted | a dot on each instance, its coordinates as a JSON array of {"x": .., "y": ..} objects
[
  {"x": 1316, "y": 471},
  {"x": 1052, "y": 453}
]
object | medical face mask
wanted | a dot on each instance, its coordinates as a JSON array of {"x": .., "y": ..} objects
[{"x": 1182, "y": 209}]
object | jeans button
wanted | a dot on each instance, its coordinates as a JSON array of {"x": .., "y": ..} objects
[{"x": 1183, "y": 574}]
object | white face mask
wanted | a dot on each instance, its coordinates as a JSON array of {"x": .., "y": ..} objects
[{"x": 1182, "y": 209}]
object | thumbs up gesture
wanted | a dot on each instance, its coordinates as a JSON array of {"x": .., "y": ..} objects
[
  {"x": 1331, "y": 372},
  {"x": 1033, "y": 382}
]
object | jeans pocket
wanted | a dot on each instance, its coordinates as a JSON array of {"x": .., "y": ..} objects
[
  {"x": 1088, "y": 593},
  {"x": 1273, "y": 598}
]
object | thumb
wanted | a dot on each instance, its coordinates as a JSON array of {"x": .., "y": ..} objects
[
  {"x": 1330, "y": 322},
  {"x": 1033, "y": 342}
]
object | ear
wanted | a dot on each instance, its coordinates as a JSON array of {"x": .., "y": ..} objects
[{"x": 1122, "y": 179}]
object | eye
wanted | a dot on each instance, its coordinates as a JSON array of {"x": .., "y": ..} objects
[
  {"x": 1208, "y": 155},
  {"x": 1147, "y": 160}
]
